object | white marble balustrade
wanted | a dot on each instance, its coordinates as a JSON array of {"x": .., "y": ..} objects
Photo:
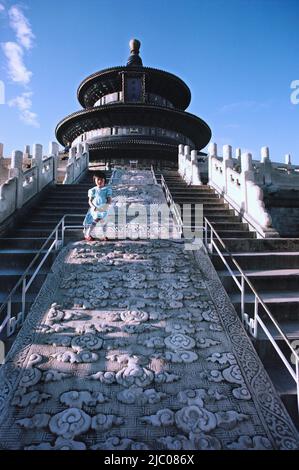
[{"x": 19, "y": 185}]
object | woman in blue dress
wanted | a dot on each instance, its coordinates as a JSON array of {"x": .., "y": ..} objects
[{"x": 99, "y": 199}]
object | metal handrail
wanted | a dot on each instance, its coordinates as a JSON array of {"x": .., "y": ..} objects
[
  {"x": 172, "y": 204},
  {"x": 22, "y": 280},
  {"x": 153, "y": 174},
  {"x": 56, "y": 243},
  {"x": 112, "y": 176},
  {"x": 251, "y": 324}
]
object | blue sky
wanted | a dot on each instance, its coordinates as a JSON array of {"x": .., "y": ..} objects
[{"x": 238, "y": 57}]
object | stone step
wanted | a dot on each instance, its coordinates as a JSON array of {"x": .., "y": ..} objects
[
  {"x": 67, "y": 193},
  {"x": 230, "y": 226},
  {"x": 193, "y": 193},
  {"x": 263, "y": 345},
  {"x": 198, "y": 200},
  {"x": 76, "y": 234},
  {"x": 57, "y": 192},
  {"x": 203, "y": 201},
  {"x": 261, "y": 260},
  {"x": 48, "y": 225},
  {"x": 66, "y": 201},
  {"x": 282, "y": 305},
  {"x": 35, "y": 232},
  {"x": 272, "y": 362},
  {"x": 21, "y": 258},
  {"x": 70, "y": 192},
  {"x": 179, "y": 181},
  {"x": 211, "y": 211},
  {"x": 264, "y": 244},
  {"x": 235, "y": 234},
  {"x": 285, "y": 386},
  {"x": 225, "y": 226},
  {"x": 20, "y": 242},
  {"x": 63, "y": 204},
  {"x": 173, "y": 185},
  {"x": 189, "y": 190},
  {"x": 289, "y": 328},
  {"x": 185, "y": 189},
  {"x": 263, "y": 280},
  {"x": 10, "y": 276},
  {"x": 59, "y": 212},
  {"x": 206, "y": 204},
  {"x": 213, "y": 217}
]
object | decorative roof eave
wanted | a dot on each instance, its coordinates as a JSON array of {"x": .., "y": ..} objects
[
  {"x": 176, "y": 89},
  {"x": 133, "y": 114},
  {"x": 132, "y": 143},
  {"x": 148, "y": 150}
]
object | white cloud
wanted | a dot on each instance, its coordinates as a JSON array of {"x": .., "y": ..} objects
[
  {"x": 16, "y": 67},
  {"x": 17, "y": 70},
  {"x": 21, "y": 26},
  {"x": 24, "y": 103},
  {"x": 30, "y": 118}
]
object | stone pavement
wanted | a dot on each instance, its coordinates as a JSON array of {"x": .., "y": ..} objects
[{"x": 135, "y": 345}]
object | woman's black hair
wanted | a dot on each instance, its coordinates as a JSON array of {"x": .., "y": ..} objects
[{"x": 99, "y": 174}]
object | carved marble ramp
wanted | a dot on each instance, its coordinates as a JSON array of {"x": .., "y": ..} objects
[{"x": 134, "y": 345}]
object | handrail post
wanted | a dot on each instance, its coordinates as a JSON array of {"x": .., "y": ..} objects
[
  {"x": 211, "y": 240},
  {"x": 8, "y": 329},
  {"x": 206, "y": 233},
  {"x": 23, "y": 298},
  {"x": 57, "y": 238},
  {"x": 62, "y": 231},
  {"x": 297, "y": 382},
  {"x": 170, "y": 201},
  {"x": 255, "y": 322},
  {"x": 153, "y": 175},
  {"x": 242, "y": 298}
]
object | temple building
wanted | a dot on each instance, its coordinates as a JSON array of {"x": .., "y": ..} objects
[{"x": 134, "y": 112}]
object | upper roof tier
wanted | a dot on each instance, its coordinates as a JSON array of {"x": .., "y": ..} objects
[
  {"x": 157, "y": 82},
  {"x": 108, "y": 81}
]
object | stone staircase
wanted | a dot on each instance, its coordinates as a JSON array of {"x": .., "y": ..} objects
[
  {"x": 272, "y": 266},
  {"x": 223, "y": 219},
  {"x": 20, "y": 245}
]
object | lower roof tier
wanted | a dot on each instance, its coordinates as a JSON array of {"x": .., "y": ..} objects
[{"x": 125, "y": 114}]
